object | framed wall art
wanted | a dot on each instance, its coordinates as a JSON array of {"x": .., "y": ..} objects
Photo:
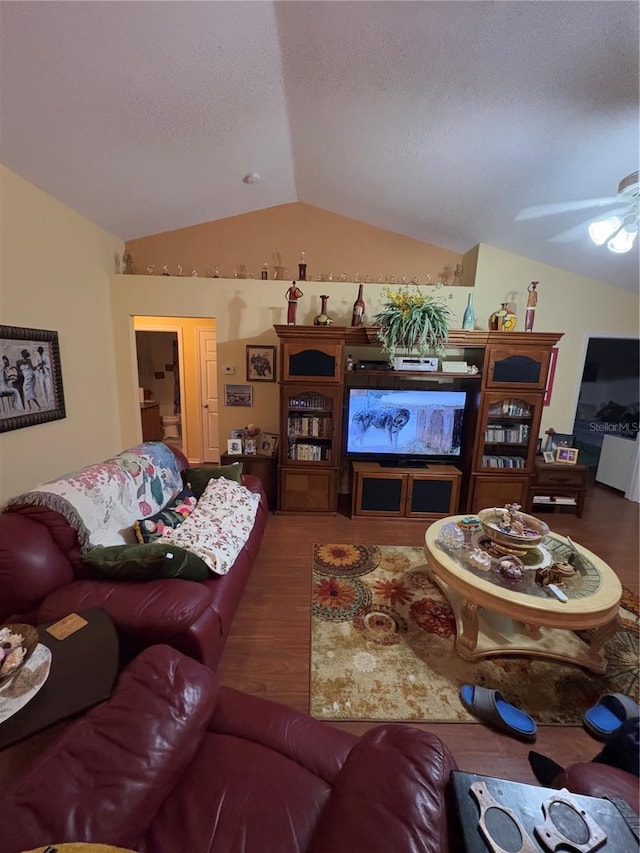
[
  {"x": 31, "y": 389},
  {"x": 261, "y": 364},
  {"x": 238, "y": 395}
]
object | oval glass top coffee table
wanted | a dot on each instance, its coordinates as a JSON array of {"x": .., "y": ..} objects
[{"x": 494, "y": 619}]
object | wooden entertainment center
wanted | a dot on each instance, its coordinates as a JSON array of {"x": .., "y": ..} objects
[{"x": 500, "y": 429}]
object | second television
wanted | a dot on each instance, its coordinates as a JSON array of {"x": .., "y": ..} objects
[{"x": 399, "y": 426}]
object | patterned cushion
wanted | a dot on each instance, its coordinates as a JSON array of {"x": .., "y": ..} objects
[
  {"x": 174, "y": 513},
  {"x": 198, "y": 478}
]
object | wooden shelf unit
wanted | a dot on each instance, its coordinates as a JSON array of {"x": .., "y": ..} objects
[{"x": 502, "y": 421}]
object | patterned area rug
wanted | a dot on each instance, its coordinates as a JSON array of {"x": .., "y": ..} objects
[{"x": 382, "y": 648}]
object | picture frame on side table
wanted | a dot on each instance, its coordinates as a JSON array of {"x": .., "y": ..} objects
[
  {"x": 569, "y": 455},
  {"x": 250, "y": 446},
  {"x": 548, "y": 456},
  {"x": 261, "y": 363},
  {"x": 31, "y": 389},
  {"x": 234, "y": 447},
  {"x": 267, "y": 444}
]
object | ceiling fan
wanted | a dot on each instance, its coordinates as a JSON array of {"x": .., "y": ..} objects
[{"x": 617, "y": 228}]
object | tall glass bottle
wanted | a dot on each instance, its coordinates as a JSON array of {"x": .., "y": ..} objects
[
  {"x": 469, "y": 318},
  {"x": 357, "y": 318}
]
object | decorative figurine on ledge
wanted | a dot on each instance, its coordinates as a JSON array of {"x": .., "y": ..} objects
[
  {"x": 532, "y": 301},
  {"x": 127, "y": 262},
  {"x": 293, "y": 294}
]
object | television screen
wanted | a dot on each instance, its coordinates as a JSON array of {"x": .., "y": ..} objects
[{"x": 407, "y": 423}]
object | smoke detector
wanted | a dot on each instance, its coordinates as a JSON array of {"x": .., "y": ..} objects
[{"x": 251, "y": 178}]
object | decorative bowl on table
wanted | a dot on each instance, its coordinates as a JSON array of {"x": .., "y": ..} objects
[
  {"x": 512, "y": 531},
  {"x": 17, "y": 643}
]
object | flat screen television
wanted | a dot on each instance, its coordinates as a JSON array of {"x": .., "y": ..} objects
[{"x": 402, "y": 426}]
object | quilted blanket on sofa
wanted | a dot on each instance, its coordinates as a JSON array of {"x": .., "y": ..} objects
[
  {"x": 102, "y": 501},
  {"x": 219, "y": 525}
]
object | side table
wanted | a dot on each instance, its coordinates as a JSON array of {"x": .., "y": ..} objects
[
  {"x": 260, "y": 466},
  {"x": 558, "y": 480},
  {"x": 83, "y": 671}
]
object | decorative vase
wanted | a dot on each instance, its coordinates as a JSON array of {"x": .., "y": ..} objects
[
  {"x": 503, "y": 320},
  {"x": 469, "y": 318},
  {"x": 323, "y": 319},
  {"x": 357, "y": 316}
]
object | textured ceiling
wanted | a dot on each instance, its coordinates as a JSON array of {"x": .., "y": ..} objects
[{"x": 438, "y": 120}]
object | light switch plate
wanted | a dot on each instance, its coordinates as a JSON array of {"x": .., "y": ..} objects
[{"x": 229, "y": 369}]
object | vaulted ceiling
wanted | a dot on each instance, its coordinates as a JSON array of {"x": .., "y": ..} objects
[{"x": 437, "y": 120}]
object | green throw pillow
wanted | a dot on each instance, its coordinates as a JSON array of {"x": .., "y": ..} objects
[
  {"x": 146, "y": 562},
  {"x": 198, "y": 478}
]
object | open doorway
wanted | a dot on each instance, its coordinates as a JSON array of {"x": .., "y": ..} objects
[
  {"x": 185, "y": 383},
  {"x": 159, "y": 383}
]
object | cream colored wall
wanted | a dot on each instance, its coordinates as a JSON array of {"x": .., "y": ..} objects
[
  {"x": 54, "y": 274},
  {"x": 568, "y": 303},
  {"x": 246, "y": 312}
]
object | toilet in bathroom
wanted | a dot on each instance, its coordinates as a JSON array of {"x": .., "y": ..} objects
[{"x": 170, "y": 426}]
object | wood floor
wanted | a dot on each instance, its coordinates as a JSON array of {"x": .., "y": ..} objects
[{"x": 267, "y": 653}]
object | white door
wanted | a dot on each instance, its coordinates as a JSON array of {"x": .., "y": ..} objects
[{"x": 209, "y": 394}]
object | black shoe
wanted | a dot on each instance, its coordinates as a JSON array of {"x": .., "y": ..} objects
[{"x": 544, "y": 769}]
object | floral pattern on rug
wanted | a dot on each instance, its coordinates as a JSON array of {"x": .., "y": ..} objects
[
  {"x": 345, "y": 560},
  {"x": 382, "y": 648}
]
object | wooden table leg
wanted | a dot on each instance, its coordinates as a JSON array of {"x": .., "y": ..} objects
[
  {"x": 600, "y": 637},
  {"x": 468, "y": 639}
]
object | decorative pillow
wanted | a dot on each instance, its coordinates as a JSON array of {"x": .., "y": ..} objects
[
  {"x": 174, "y": 513},
  {"x": 144, "y": 563},
  {"x": 198, "y": 478}
]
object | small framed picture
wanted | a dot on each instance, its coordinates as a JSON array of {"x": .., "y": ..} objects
[
  {"x": 267, "y": 444},
  {"x": 237, "y": 433},
  {"x": 261, "y": 364},
  {"x": 548, "y": 456},
  {"x": 234, "y": 447},
  {"x": 558, "y": 439},
  {"x": 567, "y": 454},
  {"x": 250, "y": 446},
  {"x": 238, "y": 395}
]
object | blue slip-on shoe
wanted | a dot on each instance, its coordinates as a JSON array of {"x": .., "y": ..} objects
[
  {"x": 609, "y": 713},
  {"x": 491, "y": 707}
]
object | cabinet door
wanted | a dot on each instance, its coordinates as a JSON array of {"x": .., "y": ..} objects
[
  {"x": 380, "y": 493},
  {"x": 488, "y": 491},
  {"x": 311, "y": 419},
  {"x": 511, "y": 367},
  {"x": 307, "y": 491},
  {"x": 430, "y": 496},
  {"x": 316, "y": 361},
  {"x": 507, "y": 432}
]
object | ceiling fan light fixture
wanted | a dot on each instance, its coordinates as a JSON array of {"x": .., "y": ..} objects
[
  {"x": 623, "y": 241},
  {"x": 603, "y": 229}
]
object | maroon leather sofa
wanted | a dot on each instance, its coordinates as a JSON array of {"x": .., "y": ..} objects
[
  {"x": 174, "y": 761},
  {"x": 41, "y": 579}
]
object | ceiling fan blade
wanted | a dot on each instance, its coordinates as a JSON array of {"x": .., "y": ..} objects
[
  {"x": 563, "y": 207},
  {"x": 581, "y": 230}
]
